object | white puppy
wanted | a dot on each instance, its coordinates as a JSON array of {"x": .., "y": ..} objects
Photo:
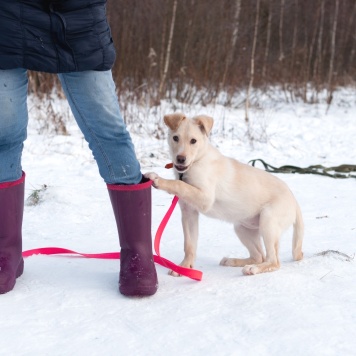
[{"x": 257, "y": 203}]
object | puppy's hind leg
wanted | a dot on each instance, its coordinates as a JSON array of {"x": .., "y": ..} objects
[
  {"x": 252, "y": 241},
  {"x": 270, "y": 233}
]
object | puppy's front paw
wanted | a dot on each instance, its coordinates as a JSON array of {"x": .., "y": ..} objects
[
  {"x": 174, "y": 274},
  {"x": 227, "y": 262},
  {"x": 154, "y": 177},
  {"x": 184, "y": 264}
]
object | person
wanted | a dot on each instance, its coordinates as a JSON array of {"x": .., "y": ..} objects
[{"x": 71, "y": 38}]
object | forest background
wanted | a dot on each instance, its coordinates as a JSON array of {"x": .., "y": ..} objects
[{"x": 203, "y": 51}]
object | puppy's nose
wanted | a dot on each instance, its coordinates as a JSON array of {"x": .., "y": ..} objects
[{"x": 181, "y": 159}]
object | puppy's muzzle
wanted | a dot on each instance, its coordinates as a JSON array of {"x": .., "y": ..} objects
[{"x": 181, "y": 166}]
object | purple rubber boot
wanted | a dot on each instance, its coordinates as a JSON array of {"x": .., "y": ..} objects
[
  {"x": 132, "y": 209},
  {"x": 11, "y": 212}
]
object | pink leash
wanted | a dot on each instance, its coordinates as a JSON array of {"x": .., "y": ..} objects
[{"x": 188, "y": 272}]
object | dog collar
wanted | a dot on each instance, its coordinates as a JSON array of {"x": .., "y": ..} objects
[{"x": 170, "y": 165}]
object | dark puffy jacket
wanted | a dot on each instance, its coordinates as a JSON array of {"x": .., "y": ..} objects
[{"x": 55, "y": 35}]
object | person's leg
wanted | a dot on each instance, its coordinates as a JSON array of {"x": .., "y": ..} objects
[
  {"x": 94, "y": 103},
  {"x": 93, "y": 100},
  {"x": 13, "y": 122},
  {"x": 13, "y": 128}
]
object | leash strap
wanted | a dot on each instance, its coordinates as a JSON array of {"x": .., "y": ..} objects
[
  {"x": 342, "y": 171},
  {"x": 63, "y": 251},
  {"x": 197, "y": 275},
  {"x": 187, "y": 272},
  {"x": 163, "y": 224}
]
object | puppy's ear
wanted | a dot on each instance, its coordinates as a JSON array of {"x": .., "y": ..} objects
[
  {"x": 173, "y": 120},
  {"x": 205, "y": 123}
]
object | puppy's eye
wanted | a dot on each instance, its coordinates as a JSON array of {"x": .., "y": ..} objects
[
  {"x": 175, "y": 138},
  {"x": 193, "y": 141}
]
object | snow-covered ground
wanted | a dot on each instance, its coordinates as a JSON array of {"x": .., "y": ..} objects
[{"x": 71, "y": 306}]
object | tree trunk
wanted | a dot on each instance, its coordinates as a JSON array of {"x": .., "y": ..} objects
[
  {"x": 168, "y": 52},
  {"x": 234, "y": 36},
  {"x": 319, "y": 55},
  {"x": 332, "y": 55},
  {"x": 281, "y": 52},
  {"x": 292, "y": 76},
  {"x": 268, "y": 40},
  {"x": 252, "y": 71}
]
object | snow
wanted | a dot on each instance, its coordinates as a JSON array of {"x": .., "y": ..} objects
[{"x": 71, "y": 306}]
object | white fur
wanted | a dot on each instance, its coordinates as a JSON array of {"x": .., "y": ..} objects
[{"x": 257, "y": 203}]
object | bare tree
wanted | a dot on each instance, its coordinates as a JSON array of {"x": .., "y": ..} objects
[
  {"x": 235, "y": 32},
  {"x": 319, "y": 54},
  {"x": 350, "y": 34},
  {"x": 252, "y": 70},
  {"x": 311, "y": 54},
  {"x": 281, "y": 53},
  {"x": 294, "y": 40},
  {"x": 169, "y": 48},
  {"x": 332, "y": 56},
  {"x": 268, "y": 40}
]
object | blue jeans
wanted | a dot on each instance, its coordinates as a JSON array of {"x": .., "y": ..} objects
[{"x": 93, "y": 100}]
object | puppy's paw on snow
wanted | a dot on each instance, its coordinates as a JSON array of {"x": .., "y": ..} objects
[
  {"x": 174, "y": 274},
  {"x": 250, "y": 270},
  {"x": 227, "y": 262},
  {"x": 184, "y": 264}
]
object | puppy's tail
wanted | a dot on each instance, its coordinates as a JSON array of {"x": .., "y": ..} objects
[{"x": 298, "y": 233}]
